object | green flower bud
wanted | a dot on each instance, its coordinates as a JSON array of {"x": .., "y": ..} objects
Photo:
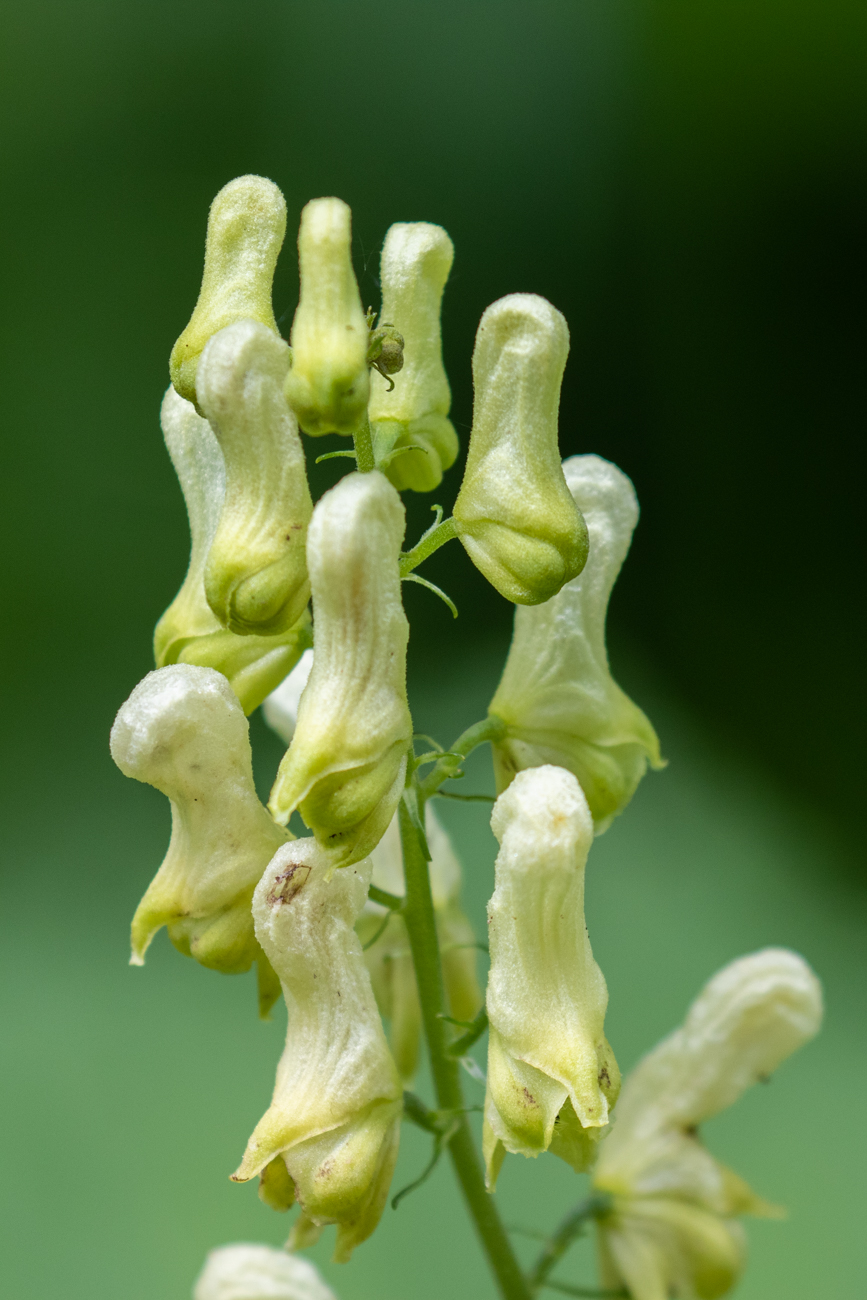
[
  {"x": 183, "y": 731},
  {"x": 416, "y": 260},
  {"x": 389, "y": 960},
  {"x": 188, "y": 631},
  {"x": 514, "y": 513},
  {"x": 345, "y": 767},
  {"x": 670, "y": 1228},
  {"x": 328, "y": 384},
  {"x": 248, "y": 1272},
  {"x": 256, "y": 573},
  {"x": 246, "y": 226},
  {"x": 557, "y": 696},
  {"x": 552, "y": 1077},
  {"x": 334, "y": 1121}
]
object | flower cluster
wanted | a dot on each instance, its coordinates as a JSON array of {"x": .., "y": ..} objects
[{"x": 359, "y": 921}]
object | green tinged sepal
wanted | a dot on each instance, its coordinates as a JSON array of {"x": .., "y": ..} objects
[
  {"x": 189, "y": 631},
  {"x": 183, "y": 731},
  {"x": 328, "y": 385},
  {"x": 514, "y": 513},
  {"x": 388, "y": 957},
  {"x": 345, "y": 767},
  {"x": 334, "y": 1121},
  {"x": 413, "y": 411},
  {"x": 246, "y": 226},
  {"x": 552, "y": 1076},
  {"x": 557, "y": 697},
  {"x": 251, "y": 1272},
  {"x": 671, "y": 1226},
  {"x": 256, "y": 572}
]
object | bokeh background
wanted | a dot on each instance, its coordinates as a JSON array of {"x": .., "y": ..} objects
[{"x": 687, "y": 183}]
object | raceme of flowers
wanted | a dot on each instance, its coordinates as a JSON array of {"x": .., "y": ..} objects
[{"x": 327, "y": 918}]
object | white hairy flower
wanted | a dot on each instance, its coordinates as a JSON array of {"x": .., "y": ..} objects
[{"x": 251, "y": 1272}]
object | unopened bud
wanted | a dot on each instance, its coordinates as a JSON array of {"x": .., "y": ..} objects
[
  {"x": 246, "y": 226},
  {"x": 345, "y": 767},
  {"x": 514, "y": 513},
  {"x": 552, "y": 1077},
  {"x": 183, "y": 731},
  {"x": 334, "y": 1121},
  {"x": 413, "y": 412},
  {"x": 256, "y": 572},
  {"x": 328, "y": 384},
  {"x": 189, "y": 631},
  {"x": 557, "y": 696}
]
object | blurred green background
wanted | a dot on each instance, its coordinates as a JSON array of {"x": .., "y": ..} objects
[{"x": 686, "y": 182}]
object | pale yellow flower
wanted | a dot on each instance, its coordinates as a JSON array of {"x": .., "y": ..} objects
[
  {"x": 331, "y": 1133},
  {"x": 671, "y": 1228},
  {"x": 514, "y": 513},
  {"x": 251, "y": 1272},
  {"x": 557, "y": 696},
  {"x": 552, "y": 1076}
]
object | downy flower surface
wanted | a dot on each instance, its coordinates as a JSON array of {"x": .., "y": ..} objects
[
  {"x": 328, "y": 385},
  {"x": 331, "y": 1133},
  {"x": 189, "y": 631},
  {"x": 557, "y": 696},
  {"x": 345, "y": 767},
  {"x": 514, "y": 513},
  {"x": 256, "y": 572},
  {"x": 389, "y": 960},
  {"x": 183, "y": 731},
  {"x": 246, "y": 226},
  {"x": 281, "y": 706},
  {"x": 552, "y": 1076},
  {"x": 252, "y": 1272},
  {"x": 671, "y": 1228},
  {"x": 413, "y": 410}
]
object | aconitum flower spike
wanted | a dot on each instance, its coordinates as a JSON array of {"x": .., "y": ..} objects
[
  {"x": 557, "y": 697},
  {"x": 189, "y": 631},
  {"x": 256, "y": 573},
  {"x": 246, "y": 226},
  {"x": 252, "y": 1272},
  {"x": 389, "y": 960},
  {"x": 671, "y": 1226},
  {"x": 183, "y": 731},
  {"x": 514, "y": 513},
  {"x": 413, "y": 409},
  {"x": 552, "y": 1077},
  {"x": 331, "y": 1133},
  {"x": 345, "y": 767},
  {"x": 328, "y": 384}
]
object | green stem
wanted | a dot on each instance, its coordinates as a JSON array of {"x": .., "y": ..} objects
[
  {"x": 431, "y": 542},
  {"x": 491, "y": 728},
  {"x": 421, "y": 926},
  {"x": 571, "y": 1227},
  {"x": 364, "y": 458}
]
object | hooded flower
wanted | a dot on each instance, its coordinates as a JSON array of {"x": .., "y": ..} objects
[
  {"x": 328, "y": 384},
  {"x": 330, "y": 1136},
  {"x": 557, "y": 697},
  {"x": 183, "y": 731},
  {"x": 514, "y": 513},
  {"x": 189, "y": 631},
  {"x": 256, "y": 573},
  {"x": 389, "y": 960},
  {"x": 413, "y": 410},
  {"x": 252, "y": 1272},
  {"x": 671, "y": 1226},
  {"x": 345, "y": 767},
  {"x": 552, "y": 1077},
  {"x": 246, "y": 226}
]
